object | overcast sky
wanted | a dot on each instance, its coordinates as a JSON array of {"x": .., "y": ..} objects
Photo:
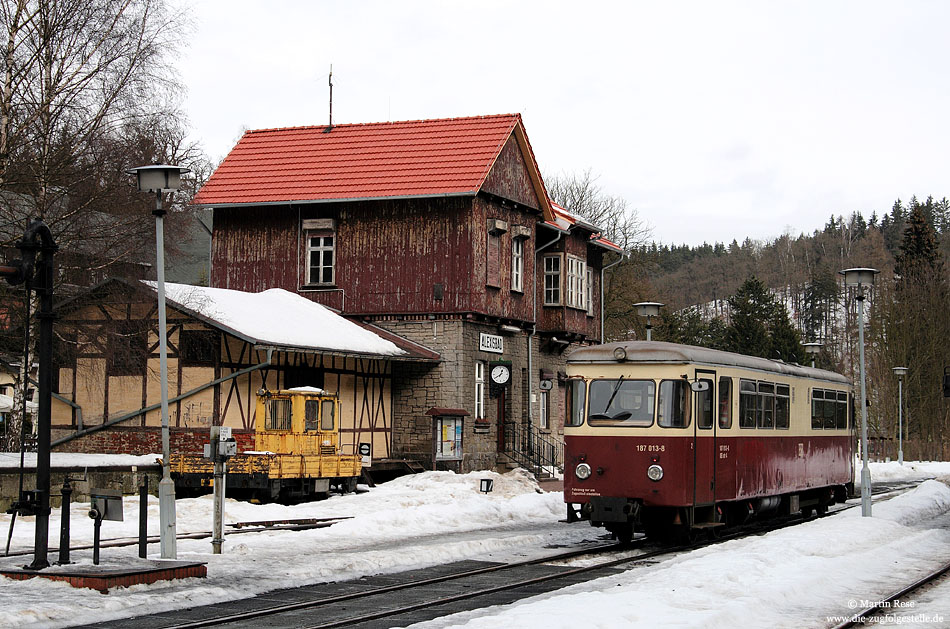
[{"x": 715, "y": 120}]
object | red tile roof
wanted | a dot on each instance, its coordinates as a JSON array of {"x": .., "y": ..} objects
[{"x": 364, "y": 161}]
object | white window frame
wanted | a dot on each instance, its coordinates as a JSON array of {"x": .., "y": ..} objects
[
  {"x": 517, "y": 264},
  {"x": 576, "y": 283},
  {"x": 552, "y": 280},
  {"x": 590, "y": 291},
  {"x": 480, "y": 389},
  {"x": 320, "y": 248},
  {"x": 544, "y": 411}
]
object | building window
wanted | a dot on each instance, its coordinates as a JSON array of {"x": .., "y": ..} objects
[
  {"x": 128, "y": 355},
  {"x": 545, "y": 411},
  {"x": 321, "y": 256},
  {"x": 576, "y": 283},
  {"x": 479, "y": 389},
  {"x": 590, "y": 292},
  {"x": 197, "y": 348},
  {"x": 448, "y": 438},
  {"x": 517, "y": 264},
  {"x": 552, "y": 280}
]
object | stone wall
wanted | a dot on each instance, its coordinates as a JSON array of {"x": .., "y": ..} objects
[{"x": 451, "y": 384}]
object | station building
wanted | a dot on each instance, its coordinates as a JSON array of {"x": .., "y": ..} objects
[{"x": 441, "y": 232}]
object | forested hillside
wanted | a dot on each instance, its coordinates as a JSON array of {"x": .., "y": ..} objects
[{"x": 766, "y": 298}]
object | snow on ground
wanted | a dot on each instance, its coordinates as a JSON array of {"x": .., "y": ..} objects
[{"x": 800, "y": 574}]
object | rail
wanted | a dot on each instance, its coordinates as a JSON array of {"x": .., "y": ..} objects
[{"x": 539, "y": 453}]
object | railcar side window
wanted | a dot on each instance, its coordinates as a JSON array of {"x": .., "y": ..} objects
[
  {"x": 817, "y": 408},
  {"x": 829, "y": 422},
  {"x": 841, "y": 411},
  {"x": 277, "y": 414},
  {"x": 704, "y": 400},
  {"x": 576, "y": 396},
  {"x": 781, "y": 405},
  {"x": 725, "y": 402},
  {"x": 766, "y": 409},
  {"x": 747, "y": 404},
  {"x": 674, "y": 404},
  {"x": 621, "y": 402}
]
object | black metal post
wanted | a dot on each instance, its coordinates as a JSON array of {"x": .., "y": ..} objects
[
  {"x": 66, "y": 493},
  {"x": 143, "y": 517},
  {"x": 95, "y": 538}
]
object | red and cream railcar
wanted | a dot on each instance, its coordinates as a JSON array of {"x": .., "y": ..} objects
[{"x": 670, "y": 439}]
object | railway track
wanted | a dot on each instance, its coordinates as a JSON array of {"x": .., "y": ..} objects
[
  {"x": 889, "y": 605},
  {"x": 237, "y": 528},
  {"x": 418, "y": 595}
]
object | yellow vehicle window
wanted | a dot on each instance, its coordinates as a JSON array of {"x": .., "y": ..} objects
[
  {"x": 326, "y": 416},
  {"x": 311, "y": 415},
  {"x": 277, "y": 415}
]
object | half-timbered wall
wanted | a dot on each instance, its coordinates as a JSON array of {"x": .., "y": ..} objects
[{"x": 363, "y": 384}]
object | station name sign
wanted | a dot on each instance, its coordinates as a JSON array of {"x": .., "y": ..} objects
[{"x": 491, "y": 343}]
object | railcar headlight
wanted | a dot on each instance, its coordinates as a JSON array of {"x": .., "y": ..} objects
[
  {"x": 582, "y": 471},
  {"x": 654, "y": 472}
]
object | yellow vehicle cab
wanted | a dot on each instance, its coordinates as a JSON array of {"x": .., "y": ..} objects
[{"x": 296, "y": 452}]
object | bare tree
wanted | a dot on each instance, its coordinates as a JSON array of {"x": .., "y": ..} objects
[
  {"x": 87, "y": 92},
  {"x": 582, "y": 195}
]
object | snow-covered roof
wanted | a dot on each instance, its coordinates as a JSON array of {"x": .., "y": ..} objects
[{"x": 277, "y": 318}]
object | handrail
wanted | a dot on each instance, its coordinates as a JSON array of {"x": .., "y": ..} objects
[{"x": 537, "y": 452}]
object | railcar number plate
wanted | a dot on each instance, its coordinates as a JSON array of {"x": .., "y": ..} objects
[{"x": 647, "y": 447}]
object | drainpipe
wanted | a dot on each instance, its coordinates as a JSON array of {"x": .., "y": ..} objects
[
  {"x": 603, "y": 335},
  {"x": 534, "y": 320}
]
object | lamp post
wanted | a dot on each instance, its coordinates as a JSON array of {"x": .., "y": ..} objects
[
  {"x": 812, "y": 349},
  {"x": 862, "y": 278},
  {"x": 648, "y": 309},
  {"x": 900, "y": 372},
  {"x": 159, "y": 179}
]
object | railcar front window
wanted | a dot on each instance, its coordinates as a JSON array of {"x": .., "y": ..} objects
[
  {"x": 674, "y": 404},
  {"x": 621, "y": 402},
  {"x": 576, "y": 396}
]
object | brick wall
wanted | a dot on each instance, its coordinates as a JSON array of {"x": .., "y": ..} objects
[{"x": 146, "y": 440}]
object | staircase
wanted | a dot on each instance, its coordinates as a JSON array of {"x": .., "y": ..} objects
[{"x": 539, "y": 453}]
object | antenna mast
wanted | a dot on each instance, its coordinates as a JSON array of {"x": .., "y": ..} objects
[{"x": 330, "y": 126}]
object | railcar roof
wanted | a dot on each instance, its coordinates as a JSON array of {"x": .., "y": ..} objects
[{"x": 660, "y": 352}]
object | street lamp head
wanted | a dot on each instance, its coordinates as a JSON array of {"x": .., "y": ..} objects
[
  {"x": 812, "y": 348},
  {"x": 158, "y": 177},
  {"x": 859, "y": 277},
  {"x": 648, "y": 308},
  {"x": 900, "y": 372}
]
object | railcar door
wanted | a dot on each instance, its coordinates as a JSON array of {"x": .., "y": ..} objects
[{"x": 704, "y": 440}]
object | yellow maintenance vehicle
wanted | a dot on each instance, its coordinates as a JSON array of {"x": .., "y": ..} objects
[{"x": 296, "y": 452}]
